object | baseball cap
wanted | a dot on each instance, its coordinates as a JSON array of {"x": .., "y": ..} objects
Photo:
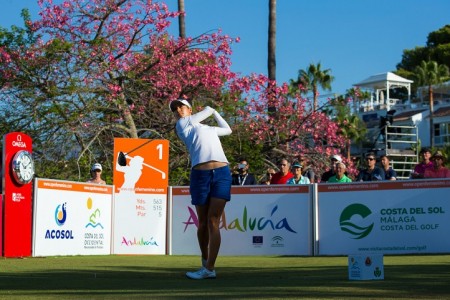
[
  {"x": 182, "y": 101},
  {"x": 96, "y": 166},
  {"x": 297, "y": 165},
  {"x": 336, "y": 157}
]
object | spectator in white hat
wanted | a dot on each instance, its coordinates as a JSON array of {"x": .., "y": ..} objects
[
  {"x": 96, "y": 173},
  {"x": 332, "y": 171}
]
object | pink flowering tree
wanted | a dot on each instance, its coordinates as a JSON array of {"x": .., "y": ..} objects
[
  {"x": 92, "y": 69},
  {"x": 294, "y": 129}
]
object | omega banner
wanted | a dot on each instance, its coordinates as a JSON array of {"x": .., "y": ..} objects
[
  {"x": 259, "y": 220},
  {"x": 395, "y": 217},
  {"x": 17, "y": 190}
]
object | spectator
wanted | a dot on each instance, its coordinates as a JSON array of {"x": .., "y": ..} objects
[
  {"x": 372, "y": 172},
  {"x": 243, "y": 177},
  {"x": 340, "y": 176},
  {"x": 298, "y": 178},
  {"x": 426, "y": 163},
  {"x": 438, "y": 170},
  {"x": 283, "y": 175},
  {"x": 266, "y": 180},
  {"x": 307, "y": 169},
  {"x": 331, "y": 172},
  {"x": 96, "y": 174},
  {"x": 389, "y": 173}
]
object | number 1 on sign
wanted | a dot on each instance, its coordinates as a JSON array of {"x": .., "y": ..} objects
[{"x": 160, "y": 148}]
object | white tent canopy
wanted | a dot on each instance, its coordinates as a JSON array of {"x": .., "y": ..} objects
[{"x": 385, "y": 82}]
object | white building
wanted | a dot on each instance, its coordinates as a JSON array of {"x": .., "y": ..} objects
[{"x": 405, "y": 112}]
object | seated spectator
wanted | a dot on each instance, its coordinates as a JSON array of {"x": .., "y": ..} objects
[
  {"x": 331, "y": 172},
  {"x": 307, "y": 169},
  {"x": 243, "y": 177},
  {"x": 438, "y": 170},
  {"x": 298, "y": 178},
  {"x": 340, "y": 176},
  {"x": 372, "y": 172},
  {"x": 389, "y": 173},
  {"x": 426, "y": 163},
  {"x": 283, "y": 175},
  {"x": 266, "y": 179}
]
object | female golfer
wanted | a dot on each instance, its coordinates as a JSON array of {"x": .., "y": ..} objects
[{"x": 210, "y": 177}]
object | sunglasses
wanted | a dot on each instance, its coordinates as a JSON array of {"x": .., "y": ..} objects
[
  {"x": 98, "y": 171},
  {"x": 370, "y": 158}
]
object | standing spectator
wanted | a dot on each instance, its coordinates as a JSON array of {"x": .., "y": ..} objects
[
  {"x": 438, "y": 170},
  {"x": 210, "y": 185},
  {"x": 298, "y": 178},
  {"x": 389, "y": 173},
  {"x": 243, "y": 177},
  {"x": 331, "y": 172},
  {"x": 426, "y": 163},
  {"x": 340, "y": 176},
  {"x": 283, "y": 175},
  {"x": 266, "y": 179},
  {"x": 96, "y": 174},
  {"x": 307, "y": 169},
  {"x": 372, "y": 172}
]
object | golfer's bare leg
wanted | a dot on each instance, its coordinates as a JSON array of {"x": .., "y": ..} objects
[
  {"x": 216, "y": 207},
  {"x": 202, "y": 230}
]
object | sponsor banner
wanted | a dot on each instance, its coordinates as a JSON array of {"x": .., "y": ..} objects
[
  {"x": 259, "y": 220},
  {"x": 140, "y": 224},
  {"x": 140, "y": 199},
  {"x": 400, "y": 217},
  {"x": 71, "y": 218}
]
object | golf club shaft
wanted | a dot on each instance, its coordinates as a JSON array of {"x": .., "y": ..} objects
[{"x": 142, "y": 145}]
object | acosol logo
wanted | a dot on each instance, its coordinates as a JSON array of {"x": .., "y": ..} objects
[{"x": 355, "y": 230}]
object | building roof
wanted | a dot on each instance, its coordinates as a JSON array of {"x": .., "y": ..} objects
[
  {"x": 384, "y": 81},
  {"x": 408, "y": 114},
  {"x": 442, "y": 112}
]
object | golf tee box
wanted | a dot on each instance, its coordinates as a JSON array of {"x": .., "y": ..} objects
[{"x": 365, "y": 267}]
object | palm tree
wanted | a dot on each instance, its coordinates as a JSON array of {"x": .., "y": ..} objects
[
  {"x": 312, "y": 79},
  {"x": 428, "y": 74},
  {"x": 350, "y": 125}
]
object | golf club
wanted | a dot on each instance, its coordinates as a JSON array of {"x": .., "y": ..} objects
[{"x": 122, "y": 159}]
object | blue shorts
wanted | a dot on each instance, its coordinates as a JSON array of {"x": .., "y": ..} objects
[{"x": 214, "y": 183}]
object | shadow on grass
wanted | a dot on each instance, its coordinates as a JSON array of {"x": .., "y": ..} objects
[{"x": 128, "y": 282}]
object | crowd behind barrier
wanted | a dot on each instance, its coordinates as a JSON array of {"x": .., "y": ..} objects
[
  {"x": 385, "y": 217},
  {"x": 373, "y": 169}
]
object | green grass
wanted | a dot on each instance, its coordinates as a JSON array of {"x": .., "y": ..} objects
[{"x": 150, "y": 277}]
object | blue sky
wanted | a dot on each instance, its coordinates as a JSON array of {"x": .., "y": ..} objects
[{"x": 353, "y": 38}]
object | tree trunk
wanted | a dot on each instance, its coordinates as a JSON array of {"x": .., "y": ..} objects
[
  {"x": 181, "y": 22},
  {"x": 315, "y": 100},
  {"x": 271, "y": 61},
  {"x": 430, "y": 96}
]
